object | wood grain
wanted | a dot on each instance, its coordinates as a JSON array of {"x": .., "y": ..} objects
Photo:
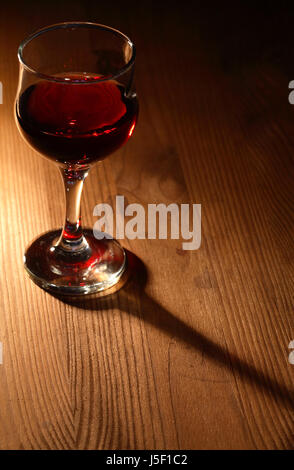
[{"x": 193, "y": 351}]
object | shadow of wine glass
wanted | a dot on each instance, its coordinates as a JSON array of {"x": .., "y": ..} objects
[{"x": 130, "y": 296}]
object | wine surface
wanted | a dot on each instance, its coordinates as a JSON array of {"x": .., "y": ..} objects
[{"x": 76, "y": 122}]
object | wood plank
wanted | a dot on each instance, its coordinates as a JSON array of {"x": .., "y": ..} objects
[{"x": 193, "y": 351}]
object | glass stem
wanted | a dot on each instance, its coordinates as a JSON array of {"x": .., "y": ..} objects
[{"x": 72, "y": 239}]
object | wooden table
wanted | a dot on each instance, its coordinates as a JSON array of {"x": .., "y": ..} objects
[{"x": 193, "y": 351}]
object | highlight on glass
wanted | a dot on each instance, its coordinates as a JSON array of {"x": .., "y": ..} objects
[{"x": 75, "y": 105}]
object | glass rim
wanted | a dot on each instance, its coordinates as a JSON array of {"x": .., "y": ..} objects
[{"x": 78, "y": 24}]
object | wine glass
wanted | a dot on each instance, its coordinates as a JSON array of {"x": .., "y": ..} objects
[{"x": 75, "y": 105}]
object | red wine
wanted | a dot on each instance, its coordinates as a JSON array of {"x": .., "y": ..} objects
[{"x": 74, "y": 122}]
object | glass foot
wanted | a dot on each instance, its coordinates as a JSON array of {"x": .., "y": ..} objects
[{"x": 95, "y": 269}]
